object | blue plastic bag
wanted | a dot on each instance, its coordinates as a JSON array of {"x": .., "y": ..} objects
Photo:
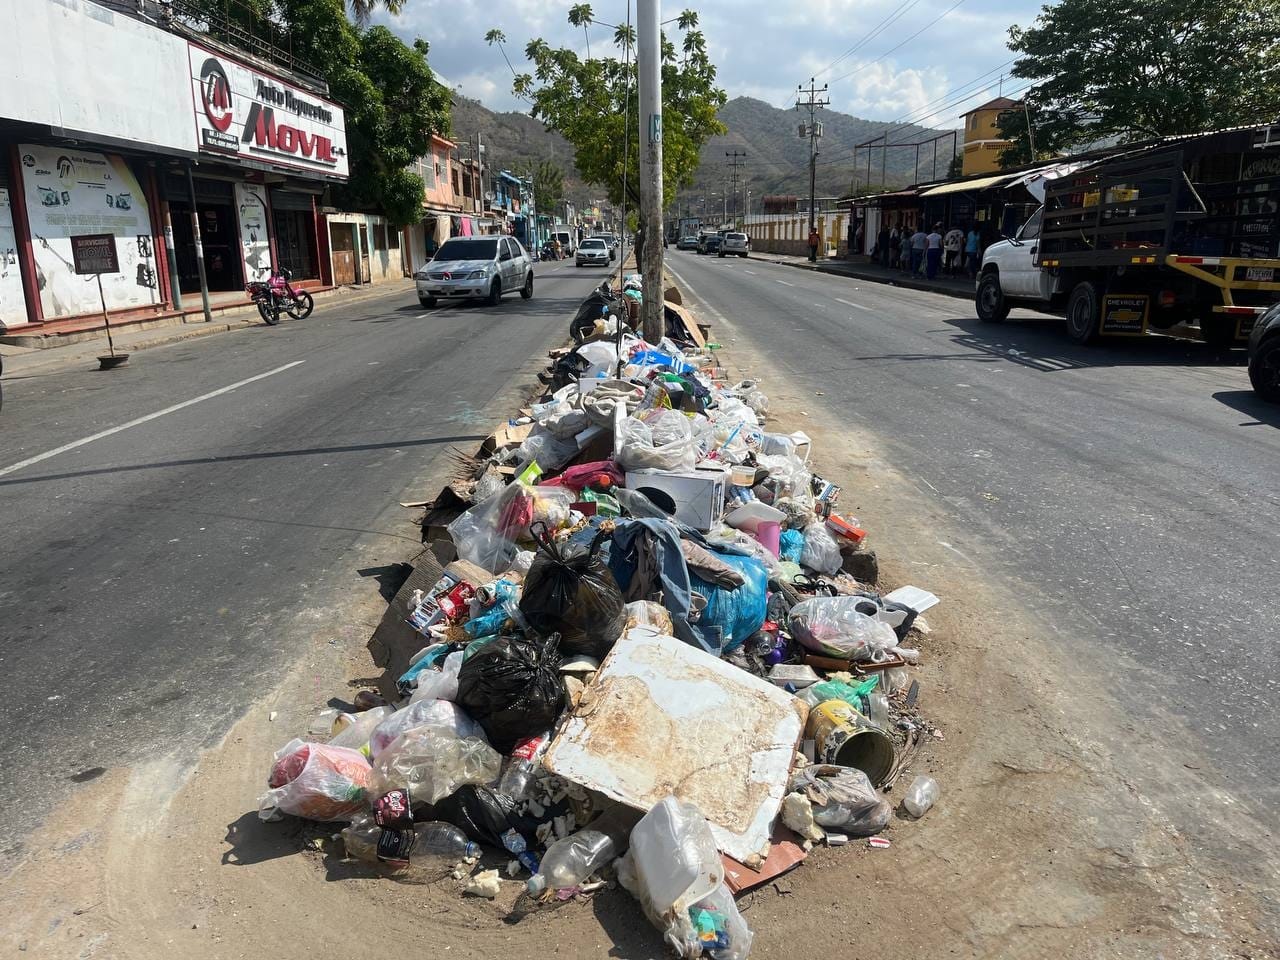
[
  {"x": 739, "y": 612},
  {"x": 791, "y": 545}
]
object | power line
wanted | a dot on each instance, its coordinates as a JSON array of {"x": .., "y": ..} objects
[
  {"x": 871, "y": 35},
  {"x": 899, "y": 46},
  {"x": 814, "y": 130}
]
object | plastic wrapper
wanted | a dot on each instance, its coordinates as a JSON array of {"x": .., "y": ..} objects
[
  {"x": 791, "y": 545},
  {"x": 843, "y": 799},
  {"x": 316, "y": 781},
  {"x": 638, "y": 451},
  {"x": 486, "y": 535},
  {"x": 835, "y": 627},
  {"x": 821, "y": 552},
  {"x": 739, "y": 612},
  {"x": 431, "y": 763},
  {"x": 512, "y": 686},
  {"x": 569, "y": 590},
  {"x": 648, "y": 613},
  {"x": 422, "y": 713}
]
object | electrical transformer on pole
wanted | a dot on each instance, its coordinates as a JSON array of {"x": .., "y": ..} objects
[{"x": 649, "y": 67}]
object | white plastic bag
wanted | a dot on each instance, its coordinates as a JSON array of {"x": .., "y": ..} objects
[
  {"x": 431, "y": 763},
  {"x": 444, "y": 714},
  {"x": 439, "y": 684},
  {"x": 601, "y": 357},
  {"x": 673, "y": 867},
  {"x": 486, "y": 534},
  {"x": 821, "y": 552},
  {"x": 355, "y": 734},
  {"x": 550, "y": 450},
  {"x": 834, "y": 626}
]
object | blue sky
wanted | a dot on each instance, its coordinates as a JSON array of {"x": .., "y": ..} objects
[{"x": 762, "y": 48}]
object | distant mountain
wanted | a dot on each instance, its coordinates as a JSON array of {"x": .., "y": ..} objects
[{"x": 777, "y": 160}]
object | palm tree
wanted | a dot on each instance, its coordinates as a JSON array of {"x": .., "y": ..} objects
[{"x": 362, "y": 10}]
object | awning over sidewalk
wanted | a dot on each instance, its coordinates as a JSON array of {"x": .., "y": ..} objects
[{"x": 960, "y": 186}]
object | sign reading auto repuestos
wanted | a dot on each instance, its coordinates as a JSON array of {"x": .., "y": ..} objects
[
  {"x": 94, "y": 253},
  {"x": 241, "y": 111}
]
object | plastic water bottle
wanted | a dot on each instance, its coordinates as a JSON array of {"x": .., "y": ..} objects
[
  {"x": 522, "y": 766},
  {"x": 921, "y": 795},
  {"x": 427, "y": 844},
  {"x": 568, "y": 862}
]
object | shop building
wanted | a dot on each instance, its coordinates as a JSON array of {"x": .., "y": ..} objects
[{"x": 120, "y": 118}]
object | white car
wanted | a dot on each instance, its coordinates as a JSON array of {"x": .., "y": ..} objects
[
  {"x": 593, "y": 250},
  {"x": 737, "y": 244},
  {"x": 475, "y": 268}
]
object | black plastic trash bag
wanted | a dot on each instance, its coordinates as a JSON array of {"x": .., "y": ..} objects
[
  {"x": 569, "y": 590},
  {"x": 485, "y": 815},
  {"x": 512, "y": 687}
]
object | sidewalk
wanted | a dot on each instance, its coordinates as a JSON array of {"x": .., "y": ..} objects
[
  {"x": 863, "y": 269},
  {"x": 27, "y": 361}
]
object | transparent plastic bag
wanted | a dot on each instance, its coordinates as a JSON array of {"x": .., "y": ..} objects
[
  {"x": 821, "y": 553},
  {"x": 834, "y": 626},
  {"x": 355, "y": 734},
  {"x": 486, "y": 535},
  {"x": 719, "y": 927},
  {"x": 551, "y": 451},
  {"x": 316, "y": 781},
  {"x": 843, "y": 799},
  {"x": 423, "y": 713},
  {"x": 650, "y": 614},
  {"x": 920, "y": 796},
  {"x": 439, "y": 684},
  {"x": 666, "y": 426},
  {"x": 432, "y": 763},
  {"x": 637, "y": 450}
]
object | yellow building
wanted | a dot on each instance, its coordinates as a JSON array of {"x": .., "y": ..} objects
[{"x": 982, "y": 140}]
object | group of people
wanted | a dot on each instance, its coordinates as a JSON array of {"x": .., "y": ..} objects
[{"x": 910, "y": 249}]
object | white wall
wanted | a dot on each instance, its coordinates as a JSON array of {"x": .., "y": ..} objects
[{"x": 77, "y": 66}]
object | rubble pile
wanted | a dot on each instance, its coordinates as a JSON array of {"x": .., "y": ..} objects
[{"x": 649, "y": 663}]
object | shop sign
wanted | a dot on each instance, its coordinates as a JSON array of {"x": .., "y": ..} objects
[
  {"x": 93, "y": 253},
  {"x": 242, "y": 112}
]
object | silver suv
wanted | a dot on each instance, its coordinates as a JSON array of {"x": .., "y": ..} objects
[
  {"x": 475, "y": 268},
  {"x": 737, "y": 244}
]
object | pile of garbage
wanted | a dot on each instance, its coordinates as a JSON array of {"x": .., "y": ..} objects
[{"x": 650, "y": 663}]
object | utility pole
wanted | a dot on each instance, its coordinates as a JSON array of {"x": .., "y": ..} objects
[
  {"x": 735, "y": 161},
  {"x": 649, "y": 68},
  {"x": 815, "y": 100}
]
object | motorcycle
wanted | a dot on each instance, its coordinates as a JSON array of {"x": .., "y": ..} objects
[
  {"x": 548, "y": 252},
  {"x": 276, "y": 293}
]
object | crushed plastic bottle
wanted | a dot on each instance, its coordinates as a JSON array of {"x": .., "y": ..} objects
[
  {"x": 524, "y": 763},
  {"x": 921, "y": 795},
  {"x": 568, "y": 862}
]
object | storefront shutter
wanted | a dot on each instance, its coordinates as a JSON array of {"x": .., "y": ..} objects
[{"x": 291, "y": 200}]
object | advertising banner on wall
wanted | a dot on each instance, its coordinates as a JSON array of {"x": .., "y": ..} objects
[
  {"x": 242, "y": 112},
  {"x": 13, "y": 303},
  {"x": 251, "y": 210},
  {"x": 70, "y": 192}
]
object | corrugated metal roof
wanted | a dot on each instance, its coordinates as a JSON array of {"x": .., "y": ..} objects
[{"x": 977, "y": 183}]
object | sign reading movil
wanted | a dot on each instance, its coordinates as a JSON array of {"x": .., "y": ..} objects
[{"x": 244, "y": 112}]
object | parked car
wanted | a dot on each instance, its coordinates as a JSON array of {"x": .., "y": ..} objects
[
  {"x": 612, "y": 240},
  {"x": 471, "y": 268},
  {"x": 594, "y": 251},
  {"x": 687, "y": 243},
  {"x": 710, "y": 243},
  {"x": 735, "y": 243},
  {"x": 1264, "y": 355}
]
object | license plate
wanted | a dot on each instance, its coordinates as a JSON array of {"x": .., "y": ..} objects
[{"x": 1260, "y": 274}]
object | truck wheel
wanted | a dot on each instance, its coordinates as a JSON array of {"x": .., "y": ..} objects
[
  {"x": 1084, "y": 312},
  {"x": 1264, "y": 370},
  {"x": 990, "y": 302},
  {"x": 1218, "y": 331}
]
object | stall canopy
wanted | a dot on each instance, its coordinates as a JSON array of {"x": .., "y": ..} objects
[{"x": 960, "y": 186}]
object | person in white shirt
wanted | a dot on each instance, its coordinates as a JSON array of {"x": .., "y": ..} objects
[
  {"x": 919, "y": 243},
  {"x": 933, "y": 252},
  {"x": 952, "y": 244}
]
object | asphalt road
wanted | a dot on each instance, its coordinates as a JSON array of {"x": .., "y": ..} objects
[
  {"x": 1129, "y": 489},
  {"x": 155, "y": 580}
]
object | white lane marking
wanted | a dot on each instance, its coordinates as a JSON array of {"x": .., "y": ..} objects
[
  {"x": 856, "y": 306},
  {"x": 710, "y": 309},
  {"x": 147, "y": 419},
  {"x": 752, "y": 272},
  {"x": 783, "y": 282}
]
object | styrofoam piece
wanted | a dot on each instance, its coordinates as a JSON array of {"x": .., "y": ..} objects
[{"x": 913, "y": 598}]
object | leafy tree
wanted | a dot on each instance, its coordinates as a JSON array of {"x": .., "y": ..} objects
[
  {"x": 1115, "y": 69},
  {"x": 587, "y": 101},
  {"x": 548, "y": 187},
  {"x": 362, "y": 10}
]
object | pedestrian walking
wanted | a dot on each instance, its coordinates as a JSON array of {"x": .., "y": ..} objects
[
  {"x": 972, "y": 252},
  {"x": 919, "y": 244},
  {"x": 933, "y": 252},
  {"x": 882, "y": 245},
  {"x": 891, "y": 258},
  {"x": 952, "y": 245},
  {"x": 814, "y": 240}
]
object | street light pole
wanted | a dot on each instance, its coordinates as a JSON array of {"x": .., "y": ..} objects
[{"x": 649, "y": 67}]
